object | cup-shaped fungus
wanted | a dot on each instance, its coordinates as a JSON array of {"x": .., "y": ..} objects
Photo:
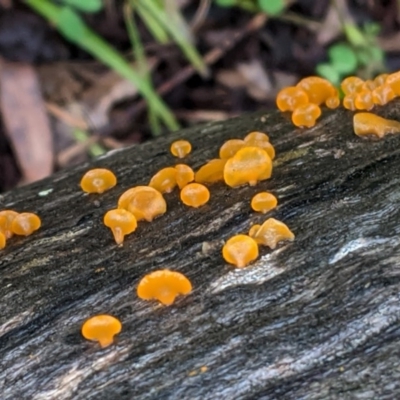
[
  {"x": 230, "y": 148},
  {"x": 98, "y": 180},
  {"x": 290, "y": 98},
  {"x": 364, "y": 100},
  {"x": 195, "y": 195},
  {"x": 25, "y": 224},
  {"x": 351, "y": 84},
  {"x": 2, "y": 240},
  {"x": 306, "y": 116},
  {"x": 164, "y": 180},
  {"x": 349, "y": 101},
  {"x": 253, "y": 230},
  {"x": 211, "y": 172},
  {"x": 164, "y": 286},
  {"x": 263, "y": 202},
  {"x": 332, "y": 102},
  {"x": 240, "y": 250},
  {"x": 370, "y": 124},
  {"x": 382, "y": 95},
  {"x": 272, "y": 232},
  {"x": 121, "y": 223},
  {"x": 318, "y": 89},
  {"x": 256, "y": 136},
  {"x": 393, "y": 80},
  {"x": 184, "y": 175},
  {"x": 101, "y": 328},
  {"x": 248, "y": 165},
  {"x": 261, "y": 140},
  {"x": 6, "y": 219},
  {"x": 380, "y": 80},
  {"x": 181, "y": 148}
]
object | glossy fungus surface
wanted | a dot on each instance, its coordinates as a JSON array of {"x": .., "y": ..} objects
[
  {"x": 240, "y": 250},
  {"x": 230, "y": 148},
  {"x": 249, "y": 165},
  {"x": 121, "y": 223},
  {"x": 349, "y": 101},
  {"x": 393, "y": 80},
  {"x": 382, "y": 95},
  {"x": 164, "y": 180},
  {"x": 261, "y": 140},
  {"x": 351, "y": 84},
  {"x": 290, "y": 98},
  {"x": 367, "y": 124},
  {"x": 332, "y": 102},
  {"x": 6, "y": 219},
  {"x": 317, "y": 89},
  {"x": 306, "y": 116},
  {"x": 164, "y": 286},
  {"x": 256, "y": 136},
  {"x": 364, "y": 100},
  {"x": 263, "y": 202},
  {"x": 25, "y": 224},
  {"x": 380, "y": 80},
  {"x": 272, "y": 232},
  {"x": 211, "y": 172},
  {"x": 98, "y": 180},
  {"x": 253, "y": 230},
  {"x": 181, "y": 148},
  {"x": 101, "y": 328},
  {"x": 184, "y": 175},
  {"x": 2, "y": 240},
  {"x": 195, "y": 195}
]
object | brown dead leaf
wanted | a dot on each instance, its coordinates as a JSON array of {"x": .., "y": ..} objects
[{"x": 25, "y": 119}]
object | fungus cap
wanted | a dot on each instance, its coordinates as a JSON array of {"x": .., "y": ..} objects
[
  {"x": 272, "y": 232},
  {"x": 240, "y": 250},
  {"x": 121, "y": 223},
  {"x": 263, "y": 202},
  {"x": 181, "y": 148},
  {"x": 2, "y": 240},
  {"x": 164, "y": 286},
  {"x": 211, "y": 172},
  {"x": 230, "y": 148},
  {"x": 365, "y": 124},
  {"x": 306, "y": 116},
  {"x": 98, "y": 180},
  {"x": 393, "y": 80},
  {"x": 184, "y": 175},
  {"x": 261, "y": 140},
  {"x": 25, "y": 224},
  {"x": 318, "y": 89},
  {"x": 6, "y": 219},
  {"x": 382, "y": 95},
  {"x": 351, "y": 84},
  {"x": 332, "y": 102},
  {"x": 101, "y": 328},
  {"x": 363, "y": 100},
  {"x": 164, "y": 180},
  {"x": 290, "y": 98},
  {"x": 256, "y": 136},
  {"x": 349, "y": 101},
  {"x": 195, "y": 195},
  {"x": 253, "y": 230}
]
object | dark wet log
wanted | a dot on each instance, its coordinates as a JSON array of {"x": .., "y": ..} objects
[{"x": 315, "y": 319}]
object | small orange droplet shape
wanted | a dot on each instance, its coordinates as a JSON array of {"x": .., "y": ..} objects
[
  {"x": 256, "y": 136},
  {"x": 261, "y": 140},
  {"x": 364, "y": 100},
  {"x": 366, "y": 124},
  {"x": 2, "y": 240},
  {"x": 181, "y": 148},
  {"x": 184, "y": 175},
  {"x": 380, "y": 80},
  {"x": 249, "y": 165},
  {"x": 98, "y": 180},
  {"x": 121, "y": 223},
  {"x": 351, "y": 85},
  {"x": 306, "y": 116},
  {"x": 349, "y": 101},
  {"x": 290, "y": 98},
  {"x": 263, "y": 202},
  {"x": 6, "y": 219},
  {"x": 195, "y": 195},
  {"x": 164, "y": 180},
  {"x": 332, "y": 102},
  {"x": 25, "y": 224},
  {"x": 230, "y": 148},
  {"x": 164, "y": 286},
  {"x": 253, "y": 230},
  {"x": 271, "y": 232},
  {"x": 211, "y": 172},
  {"x": 102, "y": 329},
  {"x": 240, "y": 250},
  {"x": 382, "y": 95},
  {"x": 317, "y": 89}
]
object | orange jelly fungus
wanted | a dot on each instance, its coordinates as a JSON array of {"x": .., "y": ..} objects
[
  {"x": 98, "y": 180},
  {"x": 147, "y": 203},
  {"x": 181, "y": 148},
  {"x": 253, "y": 230},
  {"x": 332, "y": 102},
  {"x": 364, "y": 100},
  {"x": 184, "y": 175},
  {"x": 317, "y": 89},
  {"x": 25, "y": 224},
  {"x": 164, "y": 180},
  {"x": 352, "y": 84},
  {"x": 370, "y": 124},
  {"x": 261, "y": 140},
  {"x": 306, "y": 116},
  {"x": 249, "y": 165},
  {"x": 211, "y": 172},
  {"x": 2, "y": 240},
  {"x": 263, "y": 202},
  {"x": 256, "y": 136},
  {"x": 121, "y": 223},
  {"x": 195, "y": 195},
  {"x": 230, "y": 148},
  {"x": 6, "y": 219},
  {"x": 240, "y": 250},
  {"x": 349, "y": 101},
  {"x": 102, "y": 329},
  {"x": 164, "y": 286},
  {"x": 393, "y": 80},
  {"x": 290, "y": 98},
  {"x": 272, "y": 232},
  {"x": 382, "y": 95},
  {"x": 380, "y": 80}
]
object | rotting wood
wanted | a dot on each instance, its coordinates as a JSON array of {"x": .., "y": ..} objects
[{"x": 317, "y": 318}]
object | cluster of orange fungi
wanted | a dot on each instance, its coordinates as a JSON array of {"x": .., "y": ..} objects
[{"x": 14, "y": 223}]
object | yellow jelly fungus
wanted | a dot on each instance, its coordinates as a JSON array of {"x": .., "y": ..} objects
[
  {"x": 147, "y": 203},
  {"x": 230, "y": 148},
  {"x": 393, "y": 80},
  {"x": 370, "y": 124},
  {"x": 240, "y": 250},
  {"x": 249, "y": 165},
  {"x": 364, "y": 100},
  {"x": 2, "y": 240},
  {"x": 380, "y": 80},
  {"x": 272, "y": 232},
  {"x": 195, "y": 195},
  {"x": 382, "y": 95},
  {"x": 332, "y": 102},
  {"x": 181, "y": 148},
  {"x": 349, "y": 101},
  {"x": 253, "y": 230},
  {"x": 290, "y": 98},
  {"x": 318, "y": 89},
  {"x": 164, "y": 180},
  {"x": 351, "y": 85},
  {"x": 6, "y": 219},
  {"x": 25, "y": 224},
  {"x": 263, "y": 202},
  {"x": 98, "y": 180},
  {"x": 256, "y": 136},
  {"x": 101, "y": 328},
  {"x": 211, "y": 172},
  {"x": 121, "y": 223},
  {"x": 184, "y": 175},
  {"x": 306, "y": 116},
  {"x": 164, "y": 286},
  {"x": 261, "y": 140}
]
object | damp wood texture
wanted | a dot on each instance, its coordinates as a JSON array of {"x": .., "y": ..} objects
[{"x": 316, "y": 318}]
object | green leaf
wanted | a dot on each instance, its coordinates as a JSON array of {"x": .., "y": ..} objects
[
  {"x": 343, "y": 58},
  {"x": 354, "y": 35},
  {"x": 89, "y": 6},
  {"x": 372, "y": 29},
  {"x": 272, "y": 7},
  {"x": 225, "y": 3},
  {"x": 327, "y": 71},
  {"x": 71, "y": 25},
  {"x": 377, "y": 54}
]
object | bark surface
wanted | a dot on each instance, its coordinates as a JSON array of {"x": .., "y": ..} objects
[{"x": 317, "y": 318}]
